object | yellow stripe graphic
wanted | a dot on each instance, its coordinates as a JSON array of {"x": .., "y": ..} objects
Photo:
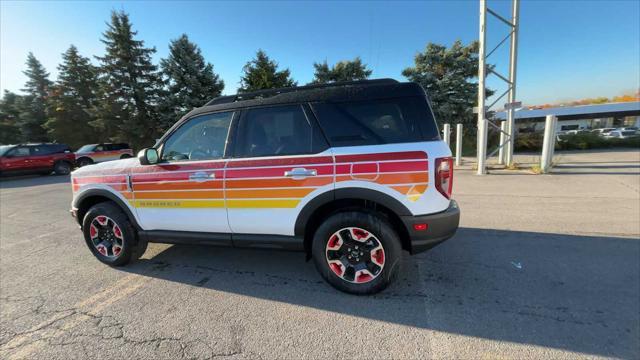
[{"x": 237, "y": 204}]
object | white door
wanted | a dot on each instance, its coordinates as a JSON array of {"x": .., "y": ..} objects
[{"x": 184, "y": 192}]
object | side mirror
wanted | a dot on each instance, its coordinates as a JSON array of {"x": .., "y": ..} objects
[{"x": 148, "y": 156}]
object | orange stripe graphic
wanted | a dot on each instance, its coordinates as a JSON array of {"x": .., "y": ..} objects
[
  {"x": 217, "y": 184},
  {"x": 213, "y": 194},
  {"x": 268, "y": 193},
  {"x": 284, "y": 182}
]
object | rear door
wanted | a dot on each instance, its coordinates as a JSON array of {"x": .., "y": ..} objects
[
  {"x": 184, "y": 192},
  {"x": 281, "y": 161},
  {"x": 41, "y": 156}
]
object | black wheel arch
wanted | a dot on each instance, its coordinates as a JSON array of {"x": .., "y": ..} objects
[
  {"x": 343, "y": 199},
  {"x": 95, "y": 196}
]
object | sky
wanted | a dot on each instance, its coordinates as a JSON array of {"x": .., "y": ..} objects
[{"x": 567, "y": 50}]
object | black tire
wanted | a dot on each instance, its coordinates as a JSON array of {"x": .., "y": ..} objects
[
  {"x": 131, "y": 247},
  {"x": 125, "y": 156},
  {"x": 84, "y": 162},
  {"x": 62, "y": 168},
  {"x": 376, "y": 225}
]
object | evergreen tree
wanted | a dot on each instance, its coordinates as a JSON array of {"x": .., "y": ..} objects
[
  {"x": 190, "y": 81},
  {"x": 73, "y": 101},
  {"x": 447, "y": 75},
  {"x": 10, "y": 108},
  {"x": 346, "y": 70},
  {"x": 33, "y": 113},
  {"x": 262, "y": 73},
  {"x": 130, "y": 86}
]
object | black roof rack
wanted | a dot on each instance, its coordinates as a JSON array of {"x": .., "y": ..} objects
[{"x": 273, "y": 92}]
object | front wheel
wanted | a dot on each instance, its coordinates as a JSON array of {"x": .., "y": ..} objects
[
  {"x": 357, "y": 252},
  {"x": 62, "y": 168},
  {"x": 110, "y": 235}
]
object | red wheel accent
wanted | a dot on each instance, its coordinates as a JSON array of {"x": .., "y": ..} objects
[
  {"x": 377, "y": 256},
  {"x": 116, "y": 250},
  {"x": 102, "y": 220},
  {"x": 117, "y": 232},
  {"x": 359, "y": 234},
  {"x": 363, "y": 278},
  {"x": 102, "y": 250},
  {"x": 337, "y": 268},
  {"x": 93, "y": 232}
]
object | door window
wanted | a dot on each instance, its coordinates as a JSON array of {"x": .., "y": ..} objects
[
  {"x": 277, "y": 131},
  {"x": 20, "y": 151},
  {"x": 201, "y": 138}
]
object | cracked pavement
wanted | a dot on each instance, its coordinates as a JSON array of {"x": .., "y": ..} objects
[{"x": 542, "y": 267}]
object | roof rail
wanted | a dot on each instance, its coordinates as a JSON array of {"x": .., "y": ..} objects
[{"x": 273, "y": 92}]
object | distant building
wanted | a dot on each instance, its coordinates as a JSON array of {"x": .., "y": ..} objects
[{"x": 586, "y": 117}]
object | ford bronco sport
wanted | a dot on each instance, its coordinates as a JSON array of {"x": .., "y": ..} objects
[
  {"x": 350, "y": 173},
  {"x": 36, "y": 158},
  {"x": 95, "y": 153}
]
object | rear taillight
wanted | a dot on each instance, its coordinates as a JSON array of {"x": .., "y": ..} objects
[{"x": 444, "y": 176}]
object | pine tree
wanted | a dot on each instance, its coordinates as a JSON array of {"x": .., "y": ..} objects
[
  {"x": 262, "y": 73},
  {"x": 73, "y": 101},
  {"x": 346, "y": 70},
  {"x": 448, "y": 74},
  {"x": 190, "y": 81},
  {"x": 33, "y": 113},
  {"x": 130, "y": 86},
  {"x": 10, "y": 108}
]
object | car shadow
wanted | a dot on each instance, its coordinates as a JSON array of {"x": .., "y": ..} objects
[
  {"x": 577, "y": 293},
  {"x": 9, "y": 182}
]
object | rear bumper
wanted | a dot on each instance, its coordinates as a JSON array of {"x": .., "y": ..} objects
[{"x": 440, "y": 227}]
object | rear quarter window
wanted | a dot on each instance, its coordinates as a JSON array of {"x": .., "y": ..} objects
[{"x": 376, "y": 121}]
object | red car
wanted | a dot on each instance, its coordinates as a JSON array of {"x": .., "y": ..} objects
[{"x": 36, "y": 158}]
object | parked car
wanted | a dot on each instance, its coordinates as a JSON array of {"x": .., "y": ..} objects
[
  {"x": 350, "y": 173},
  {"x": 602, "y": 131},
  {"x": 575, "y": 132},
  {"x": 631, "y": 128},
  {"x": 36, "y": 158},
  {"x": 620, "y": 134},
  {"x": 95, "y": 153}
]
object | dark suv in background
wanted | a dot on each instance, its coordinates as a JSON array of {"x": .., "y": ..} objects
[{"x": 36, "y": 158}]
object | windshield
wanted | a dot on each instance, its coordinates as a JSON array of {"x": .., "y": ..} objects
[
  {"x": 5, "y": 148},
  {"x": 87, "y": 148}
]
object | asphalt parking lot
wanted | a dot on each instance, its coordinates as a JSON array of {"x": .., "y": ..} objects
[{"x": 544, "y": 266}]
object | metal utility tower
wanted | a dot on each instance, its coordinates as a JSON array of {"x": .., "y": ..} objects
[{"x": 511, "y": 104}]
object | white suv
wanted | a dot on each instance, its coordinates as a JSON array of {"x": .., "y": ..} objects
[{"x": 350, "y": 173}]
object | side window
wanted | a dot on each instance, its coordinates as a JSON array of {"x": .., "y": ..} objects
[
  {"x": 277, "y": 131},
  {"x": 201, "y": 138},
  {"x": 20, "y": 151},
  {"x": 380, "y": 121},
  {"x": 39, "y": 150},
  {"x": 99, "y": 148}
]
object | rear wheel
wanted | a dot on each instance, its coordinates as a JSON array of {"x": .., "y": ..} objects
[
  {"x": 110, "y": 235},
  {"x": 84, "y": 162},
  {"x": 357, "y": 252},
  {"x": 62, "y": 168},
  {"x": 125, "y": 156}
]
